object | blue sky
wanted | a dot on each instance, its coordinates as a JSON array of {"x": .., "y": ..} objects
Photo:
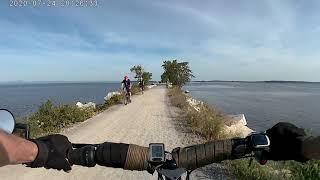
[{"x": 222, "y": 40}]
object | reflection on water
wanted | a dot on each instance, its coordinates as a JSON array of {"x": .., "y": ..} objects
[{"x": 264, "y": 104}]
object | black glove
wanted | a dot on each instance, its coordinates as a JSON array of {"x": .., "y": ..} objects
[
  {"x": 286, "y": 142},
  {"x": 52, "y": 152},
  {"x": 112, "y": 154}
]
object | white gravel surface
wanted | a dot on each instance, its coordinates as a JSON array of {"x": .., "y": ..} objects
[{"x": 149, "y": 118}]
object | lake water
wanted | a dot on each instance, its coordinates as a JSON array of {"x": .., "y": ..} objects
[
  {"x": 24, "y": 99},
  {"x": 264, "y": 104}
]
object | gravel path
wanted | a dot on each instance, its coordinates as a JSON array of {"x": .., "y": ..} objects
[{"x": 147, "y": 119}]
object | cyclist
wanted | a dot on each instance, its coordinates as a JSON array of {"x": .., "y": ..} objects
[
  {"x": 126, "y": 86},
  {"x": 141, "y": 85},
  {"x": 288, "y": 142}
]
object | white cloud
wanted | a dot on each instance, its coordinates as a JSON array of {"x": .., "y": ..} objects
[
  {"x": 115, "y": 38},
  {"x": 224, "y": 36}
]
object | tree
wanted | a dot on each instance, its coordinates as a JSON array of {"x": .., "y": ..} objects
[
  {"x": 178, "y": 73},
  {"x": 147, "y": 76},
  {"x": 140, "y": 72}
]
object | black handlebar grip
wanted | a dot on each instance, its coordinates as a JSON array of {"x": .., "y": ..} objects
[
  {"x": 196, "y": 156},
  {"x": 84, "y": 156}
]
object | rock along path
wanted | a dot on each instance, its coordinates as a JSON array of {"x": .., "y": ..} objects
[{"x": 147, "y": 119}]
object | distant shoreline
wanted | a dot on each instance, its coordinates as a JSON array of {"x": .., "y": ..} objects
[
  {"x": 95, "y": 82},
  {"x": 260, "y": 81},
  {"x": 53, "y": 82},
  {"x": 60, "y": 82}
]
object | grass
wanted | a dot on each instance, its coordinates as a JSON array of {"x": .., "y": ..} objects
[
  {"x": 275, "y": 170},
  {"x": 117, "y": 99},
  {"x": 135, "y": 89},
  {"x": 208, "y": 122},
  {"x": 114, "y": 100},
  {"x": 52, "y": 118},
  {"x": 177, "y": 98}
]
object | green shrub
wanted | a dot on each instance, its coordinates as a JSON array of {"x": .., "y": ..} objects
[
  {"x": 101, "y": 107},
  {"x": 241, "y": 170},
  {"x": 135, "y": 89},
  {"x": 177, "y": 98},
  {"x": 309, "y": 170},
  {"x": 116, "y": 99},
  {"x": 51, "y": 118},
  {"x": 207, "y": 122},
  {"x": 275, "y": 170}
]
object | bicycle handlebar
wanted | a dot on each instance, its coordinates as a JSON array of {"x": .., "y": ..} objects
[
  {"x": 200, "y": 155},
  {"x": 189, "y": 158},
  {"x": 84, "y": 156},
  {"x": 116, "y": 155}
]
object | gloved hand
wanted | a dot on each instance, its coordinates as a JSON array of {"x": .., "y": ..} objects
[
  {"x": 52, "y": 152},
  {"x": 286, "y": 142}
]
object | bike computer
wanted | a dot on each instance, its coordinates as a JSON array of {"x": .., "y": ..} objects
[
  {"x": 259, "y": 141},
  {"x": 156, "y": 152}
]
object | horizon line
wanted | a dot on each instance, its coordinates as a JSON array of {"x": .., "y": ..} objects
[{"x": 111, "y": 81}]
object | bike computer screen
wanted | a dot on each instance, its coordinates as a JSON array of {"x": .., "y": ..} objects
[
  {"x": 260, "y": 140},
  {"x": 156, "y": 151}
]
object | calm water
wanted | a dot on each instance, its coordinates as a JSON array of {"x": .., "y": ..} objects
[
  {"x": 264, "y": 104},
  {"x": 24, "y": 99}
]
